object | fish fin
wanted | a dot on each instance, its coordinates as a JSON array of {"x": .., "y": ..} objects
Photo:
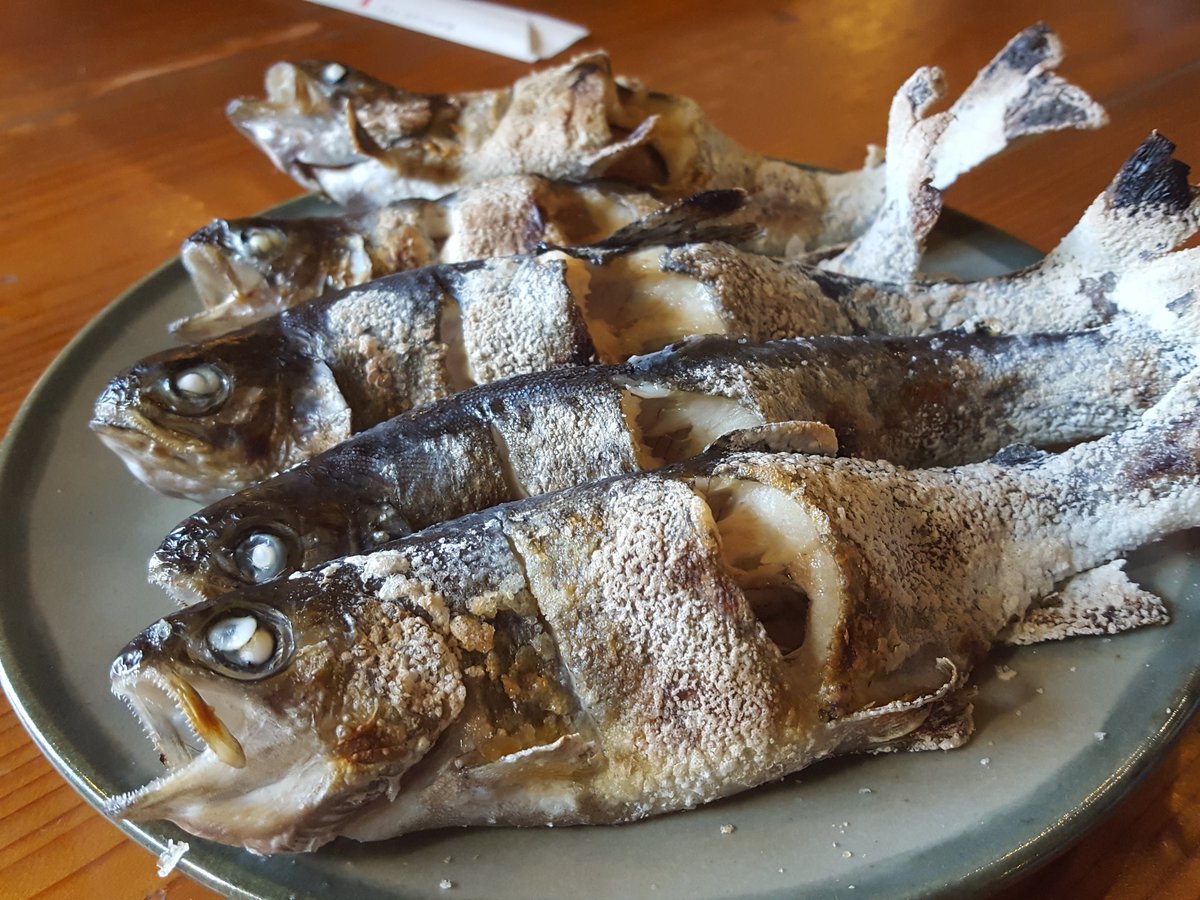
[
  {"x": 1015, "y": 95},
  {"x": 955, "y": 679},
  {"x": 1119, "y": 257},
  {"x": 779, "y": 437},
  {"x": 700, "y": 218},
  {"x": 1147, "y": 210},
  {"x": 321, "y": 417},
  {"x": 604, "y": 161},
  {"x": 562, "y": 760},
  {"x": 939, "y": 720},
  {"x": 950, "y": 724},
  {"x": 1103, "y": 600},
  {"x": 890, "y": 249}
]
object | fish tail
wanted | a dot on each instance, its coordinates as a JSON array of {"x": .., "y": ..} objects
[
  {"x": 1146, "y": 211},
  {"x": 890, "y": 249},
  {"x": 1015, "y": 95}
]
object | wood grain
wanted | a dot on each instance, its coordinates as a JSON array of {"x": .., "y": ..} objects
[{"x": 113, "y": 147}]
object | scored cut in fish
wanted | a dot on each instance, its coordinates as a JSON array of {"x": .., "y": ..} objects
[
  {"x": 635, "y": 646},
  {"x": 275, "y": 393}
]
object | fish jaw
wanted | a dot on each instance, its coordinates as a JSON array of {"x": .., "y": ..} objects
[
  {"x": 220, "y": 274},
  {"x": 185, "y": 567},
  {"x": 153, "y": 462},
  {"x": 177, "y": 471},
  {"x": 297, "y": 125},
  {"x": 233, "y": 291},
  {"x": 256, "y": 788}
]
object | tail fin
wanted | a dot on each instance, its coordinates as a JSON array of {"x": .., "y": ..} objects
[
  {"x": 1124, "y": 240},
  {"x": 890, "y": 249},
  {"x": 1015, "y": 95},
  {"x": 1146, "y": 211}
]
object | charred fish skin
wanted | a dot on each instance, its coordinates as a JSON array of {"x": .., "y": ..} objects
[
  {"x": 248, "y": 269},
  {"x": 415, "y": 337},
  {"x": 312, "y": 376},
  {"x": 683, "y": 635},
  {"x": 471, "y": 659},
  {"x": 945, "y": 400},
  {"x": 472, "y": 451},
  {"x": 363, "y": 142}
]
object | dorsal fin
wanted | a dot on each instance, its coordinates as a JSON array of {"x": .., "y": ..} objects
[
  {"x": 700, "y": 218},
  {"x": 779, "y": 437}
]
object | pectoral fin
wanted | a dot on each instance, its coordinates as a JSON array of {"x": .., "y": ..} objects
[{"x": 1102, "y": 600}]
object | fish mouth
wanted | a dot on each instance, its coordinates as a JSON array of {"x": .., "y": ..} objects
[
  {"x": 173, "y": 467},
  {"x": 296, "y": 121},
  {"x": 188, "y": 586},
  {"x": 233, "y": 293},
  {"x": 220, "y": 278},
  {"x": 185, "y": 730},
  {"x": 178, "y": 584}
]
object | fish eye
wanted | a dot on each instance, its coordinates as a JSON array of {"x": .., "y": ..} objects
[
  {"x": 197, "y": 389},
  {"x": 263, "y": 243},
  {"x": 333, "y": 72},
  {"x": 246, "y": 643},
  {"x": 261, "y": 556}
]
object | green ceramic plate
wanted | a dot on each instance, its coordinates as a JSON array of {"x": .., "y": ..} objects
[{"x": 77, "y": 532}]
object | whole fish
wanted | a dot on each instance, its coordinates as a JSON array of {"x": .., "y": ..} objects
[
  {"x": 247, "y": 269},
  {"x": 210, "y": 418},
  {"x": 636, "y": 646},
  {"x": 362, "y": 142},
  {"x": 948, "y": 399}
]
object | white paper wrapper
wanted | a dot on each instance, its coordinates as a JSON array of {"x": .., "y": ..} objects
[{"x": 502, "y": 30}]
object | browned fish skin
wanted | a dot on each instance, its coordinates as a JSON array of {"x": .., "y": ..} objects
[
  {"x": 635, "y": 646},
  {"x": 373, "y": 351},
  {"x": 247, "y": 269},
  {"x": 949, "y": 399},
  {"x": 363, "y": 142}
]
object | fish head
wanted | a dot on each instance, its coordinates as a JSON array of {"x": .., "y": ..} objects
[
  {"x": 280, "y": 713},
  {"x": 321, "y": 116},
  {"x": 204, "y": 420},
  {"x": 266, "y": 532},
  {"x": 246, "y": 269}
]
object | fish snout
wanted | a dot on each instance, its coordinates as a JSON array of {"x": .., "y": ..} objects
[
  {"x": 118, "y": 397},
  {"x": 126, "y": 664}
]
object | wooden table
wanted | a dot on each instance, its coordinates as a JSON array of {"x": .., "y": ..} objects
[{"x": 113, "y": 147}]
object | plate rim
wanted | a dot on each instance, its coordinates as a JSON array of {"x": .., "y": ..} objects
[{"x": 1055, "y": 838}]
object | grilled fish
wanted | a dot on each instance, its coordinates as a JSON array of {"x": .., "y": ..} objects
[
  {"x": 949, "y": 399},
  {"x": 248, "y": 269},
  {"x": 362, "y": 142},
  {"x": 639, "y": 645},
  {"x": 210, "y": 418}
]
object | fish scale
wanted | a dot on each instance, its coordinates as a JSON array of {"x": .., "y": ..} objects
[
  {"x": 649, "y": 668},
  {"x": 397, "y": 342},
  {"x": 946, "y": 399}
]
